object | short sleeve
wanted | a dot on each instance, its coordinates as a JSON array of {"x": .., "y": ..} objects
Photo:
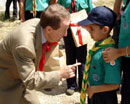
[{"x": 112, "y": 73}]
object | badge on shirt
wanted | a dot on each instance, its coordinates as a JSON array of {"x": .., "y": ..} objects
[
  {"x": 125, "y": 25},
  {"x": 112, "y": 63},
  {"x": 96, "y": 77}
]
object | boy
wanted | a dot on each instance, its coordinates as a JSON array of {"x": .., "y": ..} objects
[{"x": 104, "y": 78}]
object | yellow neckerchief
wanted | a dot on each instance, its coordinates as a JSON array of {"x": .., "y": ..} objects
[{"x": 105, "y": 43}]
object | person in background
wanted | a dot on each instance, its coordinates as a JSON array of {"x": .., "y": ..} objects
[
  {"x": 103, "y": 78},
  {"x": 27, "y": 6},
  {"x": 123, "y": 49},
  {"x": 7, "y": 10},
  {"x": 20, "y": 55},
  {"x": 74, "y": 53}
]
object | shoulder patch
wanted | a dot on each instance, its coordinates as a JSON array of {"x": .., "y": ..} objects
[
  {"x": 96, "y": 77},
  {"x": 112, "y": 63}
]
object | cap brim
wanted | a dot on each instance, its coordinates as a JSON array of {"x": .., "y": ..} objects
[{"x": 85, "y": 22}]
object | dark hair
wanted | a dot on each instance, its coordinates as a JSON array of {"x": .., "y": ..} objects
[{"x": 53, "y": 15}]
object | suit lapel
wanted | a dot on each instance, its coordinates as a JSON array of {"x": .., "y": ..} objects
[{"x": 38, "y": 46}]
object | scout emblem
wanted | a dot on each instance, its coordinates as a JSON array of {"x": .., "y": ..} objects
[{"x": 112, "y": 63}]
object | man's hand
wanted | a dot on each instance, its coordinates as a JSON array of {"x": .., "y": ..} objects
[
  {"x": 68, "y": 71},
  {"x": 110, "y": 54}
]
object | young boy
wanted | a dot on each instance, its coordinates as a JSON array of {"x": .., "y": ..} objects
[{"x": 104, "y": 78}]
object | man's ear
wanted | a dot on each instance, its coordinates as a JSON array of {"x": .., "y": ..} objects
[
  {"x": 49, "y": 29},
  {"x": 106, "y": 29}
]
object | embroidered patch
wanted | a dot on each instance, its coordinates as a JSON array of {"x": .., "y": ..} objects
[
  {"x": 112, "y": 63},
  {"x": 96, "y": 77},
  {"x": 125, "y": 25}
]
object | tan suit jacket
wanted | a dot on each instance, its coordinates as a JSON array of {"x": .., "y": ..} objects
[{"x": 20, "y": 53}]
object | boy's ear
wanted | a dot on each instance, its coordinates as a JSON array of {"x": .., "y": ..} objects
[{"x": 106, "y": 29}]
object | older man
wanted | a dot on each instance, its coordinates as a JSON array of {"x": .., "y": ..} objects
[{"x": 20, "y": 54}]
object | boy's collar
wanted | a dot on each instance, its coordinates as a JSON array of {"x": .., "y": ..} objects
[{"x": 98, "y": 42}]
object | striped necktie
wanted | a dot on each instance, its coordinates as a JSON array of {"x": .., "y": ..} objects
[{"x": 106, "y": 43}]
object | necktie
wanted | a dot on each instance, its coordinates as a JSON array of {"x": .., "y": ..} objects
[
  {"x": 73, "y": 6},
  {"x": 45, "y": 48},
  {"x": 42, "y": 61},
  {"x": 106, "y": 43}
]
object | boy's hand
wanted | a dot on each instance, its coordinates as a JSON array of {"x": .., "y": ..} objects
[{"x": 90, "y": 91}]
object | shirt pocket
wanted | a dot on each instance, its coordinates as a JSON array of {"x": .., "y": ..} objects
[
  {"x": 125, "y": 23},
  {"x": 125, "y": 18},
  {"x": 127, "y": 12}
]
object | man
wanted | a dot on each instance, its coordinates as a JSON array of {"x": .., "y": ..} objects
[{"x": 20, "y": 54}]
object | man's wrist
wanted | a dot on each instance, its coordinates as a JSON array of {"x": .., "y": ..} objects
[
  {"x": 121, "y": 52},
  {"x": 60, "y": 78},
  {"x": 60, "y": 83}
]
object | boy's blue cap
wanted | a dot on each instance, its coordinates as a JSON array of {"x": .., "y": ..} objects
[{"x": 100, "y": 15}]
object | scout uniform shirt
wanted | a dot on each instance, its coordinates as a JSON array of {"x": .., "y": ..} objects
[
  {"x": 80, "y": 4},
  {"x": 40, "y": 5},
  {"x": 101, "y": 72}
]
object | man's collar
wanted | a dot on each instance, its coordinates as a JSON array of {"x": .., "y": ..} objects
[{"x": 43, "y": 37}]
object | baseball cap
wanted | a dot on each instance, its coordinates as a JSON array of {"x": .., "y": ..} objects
[{"x": 100, "y": 15}]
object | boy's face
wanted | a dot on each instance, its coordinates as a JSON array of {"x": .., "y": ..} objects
[{"x": 97, "y": 33}]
